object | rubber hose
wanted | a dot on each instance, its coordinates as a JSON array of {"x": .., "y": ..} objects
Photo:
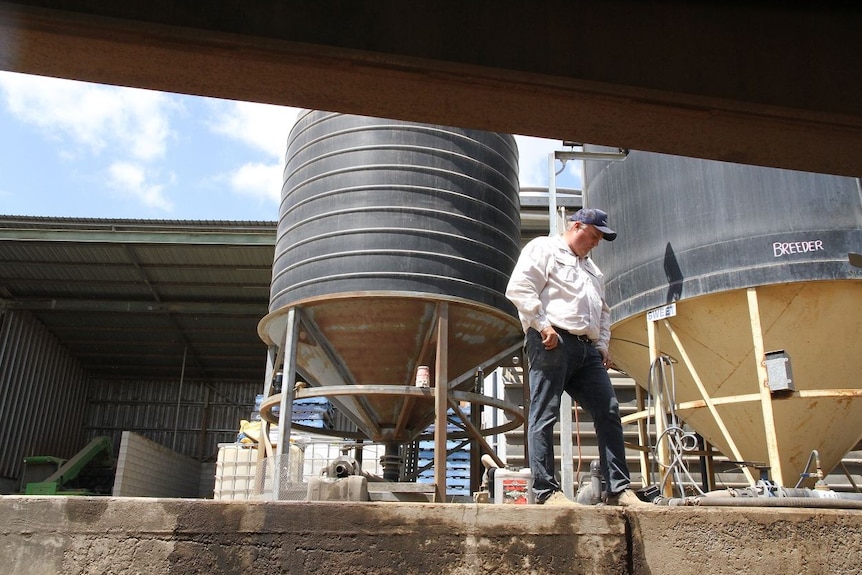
[
  {"x": 812, "y": 493},
  {"x": 805, "y": 502}
]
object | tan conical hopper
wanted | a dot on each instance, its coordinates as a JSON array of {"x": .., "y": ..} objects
[{"x": 714, "y": 343}]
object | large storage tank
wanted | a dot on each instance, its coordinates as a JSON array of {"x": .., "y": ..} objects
[
  {"x": 381, "y": 221},
  {"x": 756, "y": 261}
]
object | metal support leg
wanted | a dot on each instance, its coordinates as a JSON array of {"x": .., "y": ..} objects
[
  {"x": 441, "y": 402},
  {"x": 525, "y": 387},
  {"x": 567, "y": 469},
  {"x": 662, "y": 454},
  {"x": 285, "y": 418}
]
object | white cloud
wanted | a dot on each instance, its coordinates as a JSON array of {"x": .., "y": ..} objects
[
  {"x": 260, "y": 126},
  {"x": 126, "y": 131},
  {"x": 262, "y": 181},
  {"x": 126, "y": 121},
  {"x": 133, "y": 180},
  {"x": 264, "y": 128},
  {"x": 534, "y": 154}
]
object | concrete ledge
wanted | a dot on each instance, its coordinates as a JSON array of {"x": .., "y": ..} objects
[
  {"x": 59, "y": 535},
  {"x": 701, "y": 540}
]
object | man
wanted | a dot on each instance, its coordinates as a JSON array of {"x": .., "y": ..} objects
[{"x": 559, "y": 294}]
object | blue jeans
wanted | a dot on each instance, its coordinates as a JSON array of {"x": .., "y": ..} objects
[{"x": 574, "y": 366}]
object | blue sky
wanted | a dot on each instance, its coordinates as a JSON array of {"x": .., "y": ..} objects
[{"x": 74, "y": 149}]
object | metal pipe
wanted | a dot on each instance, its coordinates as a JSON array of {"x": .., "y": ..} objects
[
  {"x": 441, "y": 401},
  {"x": 584, "y": 155},
  {"x": 815, "y": 457},
  {"x": 784, "y": 497},
  {"x": 476, "y": 468},
  {"x": 818, "y": 494},
  {"x": 179, "y": 399},
  {"x": 595, "y": 482}
]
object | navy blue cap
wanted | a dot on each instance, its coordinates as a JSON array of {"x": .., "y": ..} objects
[{"x": 595, "y": 217}]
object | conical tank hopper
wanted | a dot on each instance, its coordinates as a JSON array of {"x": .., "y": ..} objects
[
  {"x": 722, "y": 390},
  {"x": 379, "y": 340},
  {"x": 740, "y": 277},
  {"x": 384, "y": 227}
]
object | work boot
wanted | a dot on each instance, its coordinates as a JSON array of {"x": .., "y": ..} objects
[
  {"x": 625, "y": 498},
  {"x": 559, "y": 499}
]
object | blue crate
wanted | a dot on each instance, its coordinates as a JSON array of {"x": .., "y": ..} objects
[
  {"x": 450, "y": 444},
  {"x": 313, "y": 401},
  {"x": 315, "y": 423}
]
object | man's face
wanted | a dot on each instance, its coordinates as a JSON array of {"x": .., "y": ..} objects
[{"x": 586, "y": 238}]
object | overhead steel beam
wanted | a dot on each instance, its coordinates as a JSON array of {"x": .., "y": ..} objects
[{"x": 762, "y": 83}]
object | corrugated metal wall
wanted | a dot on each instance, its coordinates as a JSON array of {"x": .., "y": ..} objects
[
  {"x": 209, "y": 412},
  {"x": 42, "y": 394}
]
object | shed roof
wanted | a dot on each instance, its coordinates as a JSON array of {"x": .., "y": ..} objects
[
  {"x": 144, "y": 298},
  {"x": 154, "y": 299}
]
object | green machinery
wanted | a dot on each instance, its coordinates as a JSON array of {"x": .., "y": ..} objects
[{"x": 88, "y": 472}]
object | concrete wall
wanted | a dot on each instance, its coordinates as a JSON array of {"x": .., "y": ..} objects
[
  {"x": 60, "y": 535},
  {"x": 147, "y": 469}
]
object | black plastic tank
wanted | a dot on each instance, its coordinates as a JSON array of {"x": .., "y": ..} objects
[
  {"x": 690, "y": 227},
  {"x": 381, "y": 223},
  {"x": 744, "y": 278},
  {"x": 370, "y": 204}
]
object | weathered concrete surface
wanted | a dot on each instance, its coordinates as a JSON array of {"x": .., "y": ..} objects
[
  {"x": 136, "y": 535},
  {"x": 701, "y": 540},
  {"x": 59, "y": 535}
]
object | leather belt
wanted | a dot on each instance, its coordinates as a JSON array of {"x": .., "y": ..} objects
[{"x": 584, "y": 339}]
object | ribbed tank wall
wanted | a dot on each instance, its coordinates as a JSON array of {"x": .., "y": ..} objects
[
  {"x": 690, "y": 227},
  {"x": 371, "y": 205}
]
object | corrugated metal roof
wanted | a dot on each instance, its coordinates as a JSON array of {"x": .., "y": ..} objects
[{"x": 130, "y": 298}]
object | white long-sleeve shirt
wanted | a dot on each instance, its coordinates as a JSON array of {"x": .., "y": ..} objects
[{"x": 550, "y": 285}]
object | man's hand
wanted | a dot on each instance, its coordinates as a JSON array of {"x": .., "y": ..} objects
[
  {"x": 606, "y": 359},
  {"x": 549, "y": 337}
]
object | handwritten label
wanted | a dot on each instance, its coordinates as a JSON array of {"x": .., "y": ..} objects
[{"x": 787, "y": 248}]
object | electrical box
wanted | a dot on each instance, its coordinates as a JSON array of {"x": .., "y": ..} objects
[{"x": 778, "y": 373}]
